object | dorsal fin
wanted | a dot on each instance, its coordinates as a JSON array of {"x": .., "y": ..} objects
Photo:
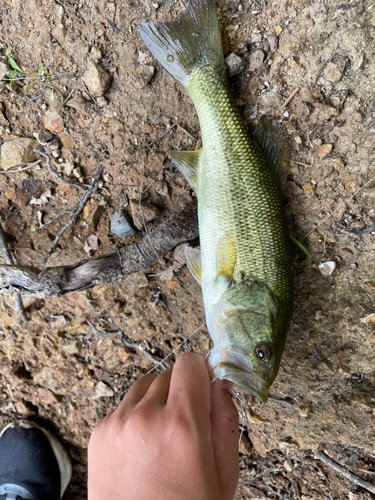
[
  {"x": 272, "y": 142},
  {"x": 187, "y": 164}
]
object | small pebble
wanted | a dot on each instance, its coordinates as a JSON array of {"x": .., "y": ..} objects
[
  {"x": 234, "y": 64},
  {"x": 120, "y": 226},
  {"x": 256, "y": 60},
  {"x": 327, "y": 268}
]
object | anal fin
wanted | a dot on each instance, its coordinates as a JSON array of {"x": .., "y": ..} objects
[
  {"x": 187, "y": 164},
  {"x": 193, "y": 261}
]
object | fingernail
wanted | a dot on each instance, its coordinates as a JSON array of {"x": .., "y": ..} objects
[{"x": 225, "y": 384}]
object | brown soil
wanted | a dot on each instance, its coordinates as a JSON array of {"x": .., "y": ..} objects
[{"x": 51, "y": 370}]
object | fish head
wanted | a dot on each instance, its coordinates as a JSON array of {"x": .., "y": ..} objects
[{"x": 249, "y": 339}]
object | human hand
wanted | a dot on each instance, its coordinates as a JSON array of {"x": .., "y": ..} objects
[{"x": 172, "y": 437}]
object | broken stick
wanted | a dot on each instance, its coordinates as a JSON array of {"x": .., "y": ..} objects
[
  {"x": 342, "y": 470},
  {"x": 56, "y": 281},
  {"x": 9, "y": 260}
]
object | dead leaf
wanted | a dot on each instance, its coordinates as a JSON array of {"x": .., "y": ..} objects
[
  {"x": 179, "y": 261},
  {"x": 91, "y": 244},
  {"x": 43, "y": 200}
]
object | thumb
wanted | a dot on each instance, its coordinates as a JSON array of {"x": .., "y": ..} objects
[{"x": 225, "y": 436}]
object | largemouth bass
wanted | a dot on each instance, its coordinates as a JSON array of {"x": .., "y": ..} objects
[{"x": 244, "y": 264}]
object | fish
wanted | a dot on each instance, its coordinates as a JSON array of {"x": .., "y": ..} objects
[{"x": 244, "y": 261}]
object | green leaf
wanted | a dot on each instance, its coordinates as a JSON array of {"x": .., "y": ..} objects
[
  {"x": 12, "y": 74},
  {"x": 28, "y": 87},
  {"x": 13, "y": 63},
  {"x": 40, "y": 70},
  {"x": 11, "y": 83},
  {"x": 52, "y": 96},
  {"x": 304, "y": 250},
  {"x": 48, "y": 79}
]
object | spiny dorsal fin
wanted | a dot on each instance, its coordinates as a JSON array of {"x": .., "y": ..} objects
[
  {"x": 187, "y": 164},
  {"x": 195, "y": 38},
  {"x": 193, "y": 261},
  {"x": 226, "y": 256},
  {"x": 272, "y": 142}
]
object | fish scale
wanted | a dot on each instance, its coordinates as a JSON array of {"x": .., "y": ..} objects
[
  {"x": 243, "y": 264},
  {"x": 239, "y": 194}
]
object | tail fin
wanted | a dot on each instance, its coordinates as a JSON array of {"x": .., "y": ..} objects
[{"x": 194, "y": 40}]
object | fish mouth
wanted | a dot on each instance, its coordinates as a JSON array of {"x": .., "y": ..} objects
[{"x": 239, "y": 374}]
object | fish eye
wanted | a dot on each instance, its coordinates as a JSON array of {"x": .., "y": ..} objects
[{"x": 262, "y": 352}]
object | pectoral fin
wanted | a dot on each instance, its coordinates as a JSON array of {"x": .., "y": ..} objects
[
  {"x": 187, "y": 164},
  {"x": 226, "y": 256},
  {"x": 193, "y": 261}
]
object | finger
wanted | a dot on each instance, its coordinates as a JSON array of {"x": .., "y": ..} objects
[
  {"x": 157, "y": 393},
  {"x": 190, "y": 385},
  {"x": 225, "y": 435},
  {"x": 135, "y": 394}
]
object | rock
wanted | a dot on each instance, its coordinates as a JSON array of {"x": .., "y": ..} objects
[
  {"x": 91, "y": 244},
  {"x": 332, "y": 73},
  {"x": 321, "y": 113},
  {"x": 272, "y": 40},
  {"x": 256, "y": 60},
  {"x": 334, "y": 70},
  {"x": 3, "y": 70},
  {"x": 147, "y": 74},
  {"x": 72, "y": 348},
  {"x": 142, "y": 213},
  {"x": 146, "y": 128},
  {"x": 79, "y": 104},
  {"x": 51, "y": 146},
  {"x": 3, "y": 73},
  {"x": 53, "y": 121},
  {"x": 102, "y": 390},
  {"x": 28, "y": 189},
  {"x": 327, "y": 268},
  {"x": 68, "y": 167},
  {"x": 120, "y": 225},
  {"x": 18, "y": 152},
  {"x": 59, "y": 31},
  {"x": 67, "y": 141},
  {"x": 323, "y": 150},
  {"x": 97, "y": 79},
  {"x": 142, "y": 56},
  {"x": 101, "y": 101},
  {"x": 234, "y": 64},
  {"x": 134, "y": 282},
  {"x": 43, "y": 136},
  {"x": 310, "y": 190},
  {"x": 278, "y": 30},
  {"x": 256, "y": 37},
  {"x": 96, "y": 54}
]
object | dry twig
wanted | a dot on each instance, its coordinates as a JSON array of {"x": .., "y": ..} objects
[
  {"x": 290, "y": 97},
  {"x": 321, "y": 455},
  {"x": 76, "y": 211},
  {"x": 48, "y": 161}
]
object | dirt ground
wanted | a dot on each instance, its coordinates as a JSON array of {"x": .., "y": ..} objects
[{"x": 69, "y": 367}]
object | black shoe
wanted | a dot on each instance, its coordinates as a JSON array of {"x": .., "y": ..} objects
[{"x": 33, "y": 463}]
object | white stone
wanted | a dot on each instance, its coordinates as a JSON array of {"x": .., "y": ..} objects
[{"x": 327, "y": 268}]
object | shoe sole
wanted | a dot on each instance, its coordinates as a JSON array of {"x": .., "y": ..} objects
[{"x": 62, "y": 457}]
